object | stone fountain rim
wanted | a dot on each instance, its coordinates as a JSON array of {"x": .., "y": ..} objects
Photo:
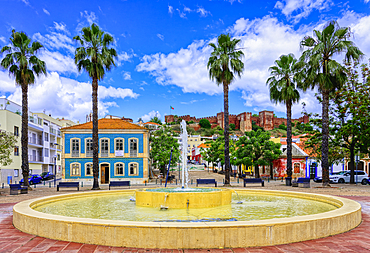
[{"x": 346, "y": 206}]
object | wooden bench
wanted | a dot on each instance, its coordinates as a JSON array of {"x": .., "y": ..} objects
[
  {"x": 253, "y": 181},
  {"x": 119, "y": 184},
  {"x": 15, "y": 188},
  {"x": 68, "y": 185},
  {"x": 206, "y": 181},
  {"x": 303, "y": 182}
]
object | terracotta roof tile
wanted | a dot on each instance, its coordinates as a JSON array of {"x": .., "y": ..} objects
[
  {"x": 203, "y": 145},
  {"x": 107, "y": 124},
  {"x": 151, "y": 123}
]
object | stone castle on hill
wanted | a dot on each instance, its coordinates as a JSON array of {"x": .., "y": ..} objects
[{"x": 242, "y": 121}]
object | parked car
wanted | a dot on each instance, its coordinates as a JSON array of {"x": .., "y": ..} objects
[
  {"x": 47, "y": 175},
  {"x": 32, "y": 179},
  {"x": 319, "y": 179},
  {"x": 360, "y": 177}
]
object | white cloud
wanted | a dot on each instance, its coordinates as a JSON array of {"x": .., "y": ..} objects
[
  {"x": 55, "y": 40},
  {"x": 56, "y": 61},
  {"x": 150, "y": 115},
  {"x": 2, "y": 39},
  {"x": 170, "y": 9},
  {"x": 90, "y": 17},
  {"x": 61, "y": 27},
  {"x": 182, "y": 14},
  {"x": 26, "y": 2},
  {"x": 64, "y": 97},
  {"x": 187, "y": 9},
  {"x": 160, "y": 36},
  {"x": 298, "y": 9},
  {"x": 7, "y": 84},
  {"x": 46, "y": 11},
  {"x": 203, "y": 12},
  {"x": 124, "y": 56},
  {"x": 186, "y": 69},
  {"x": 232, "y": 1},
  {"x": 126, "y": 75},
  {"x": 262, "y": 41}
]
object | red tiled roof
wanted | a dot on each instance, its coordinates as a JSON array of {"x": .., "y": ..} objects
[
  {"x": 203, "y": 145},
  {"x": 107, "y": 124},
  {"x": 151, "y": 123}
]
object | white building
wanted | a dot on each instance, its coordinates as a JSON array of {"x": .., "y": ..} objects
[{"x": 44, "y": 141}]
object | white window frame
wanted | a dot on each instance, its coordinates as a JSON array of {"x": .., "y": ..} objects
[
  {"x": 137, "y": 169},
  {"x": 123, "y": 147},
  {"x": 137, "y": 147},
  {"x": 71, "y": 170},
  {"x": 86, "y": 151},
  {"x": 100, "y": 146},
  {"x": 87, "y": 175},
  {"x": 79, "y": 146},
  {"x": 115, "y": 169}
]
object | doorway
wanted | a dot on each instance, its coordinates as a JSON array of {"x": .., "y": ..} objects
[{"x": 104, "y": 174}]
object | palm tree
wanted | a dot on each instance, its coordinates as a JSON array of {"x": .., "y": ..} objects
[
  {"x": 21, "y": 62},
  {"x": 282, "y": 84},
  {"x": 323, "y": 72},
  {"x": 223, "y": 64},
  {"x": 95, "y": 58}
]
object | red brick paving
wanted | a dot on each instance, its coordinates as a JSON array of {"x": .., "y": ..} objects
[{"x": 356, "y": 240}]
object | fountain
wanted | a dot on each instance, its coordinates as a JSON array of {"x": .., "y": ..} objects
[{"x": 177, "y": 218}]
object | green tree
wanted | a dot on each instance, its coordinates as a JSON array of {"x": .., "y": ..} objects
[
  {"x": 283, "y": 89},
  {"x": 255, "y": 149},
  {"x": 7, "y": 142},
  {"x": 204, "y": 123},
  {"x": 22, "y": 63},
  {"x": 223, "y": 64},
  {"x": 156, "y": 120},
  {"x": 232, "y": 126},
  {"x": 326, "y": 74},
  {"x": 161, "y": 143},
  {"x": 351, "y": 112},
  {"x": 272, "y": 152},
  {"x": 96, "y": 58}
]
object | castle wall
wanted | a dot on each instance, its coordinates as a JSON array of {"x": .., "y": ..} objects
[{"x": 242, "y": 121}]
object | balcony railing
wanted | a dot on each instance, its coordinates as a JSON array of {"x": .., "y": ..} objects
[
  {"x": 89, "y": 153},
  {"x": 34, "y": 158},
  {"x": 35, "y": 141},
  {"x": 133, "y": 153},
  {"x": 75, "y": 153},
  {"x": 32, "y": 119},
  {"x": 52, "y": 131},
  {"x": 104, "y": 153}
]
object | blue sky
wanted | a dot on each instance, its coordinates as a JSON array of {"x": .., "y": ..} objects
[{"x": 163, "y": 51}]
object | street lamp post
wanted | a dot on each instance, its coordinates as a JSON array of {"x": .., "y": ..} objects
[
  {"x": 357, "y": 160},
  {"x": 55, "y": 169}
]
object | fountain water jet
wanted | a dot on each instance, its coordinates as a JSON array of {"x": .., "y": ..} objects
[{"x": 184, "y": 144}]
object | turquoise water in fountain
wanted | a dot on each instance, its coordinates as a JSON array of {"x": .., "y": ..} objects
[{"x": 119, "y": 207}]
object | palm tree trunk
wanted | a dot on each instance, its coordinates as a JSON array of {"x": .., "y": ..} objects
[
  {"x": 24, "y": 137},
  {"x": 325, "y": 138},
  {"x": 226, "y": 133},
  {"x": 95, "y": 134},
  {"x": 289, "y": 139}
]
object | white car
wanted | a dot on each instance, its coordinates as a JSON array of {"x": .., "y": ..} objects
[{"x": 360, "y": 177}]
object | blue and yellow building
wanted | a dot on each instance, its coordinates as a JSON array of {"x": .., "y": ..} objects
[{"x": 123, "y": 152}]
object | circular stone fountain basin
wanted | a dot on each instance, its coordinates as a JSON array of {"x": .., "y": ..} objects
[
  {"x": 183, "y": 198},
  {"x": 176, "y": 235}
]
